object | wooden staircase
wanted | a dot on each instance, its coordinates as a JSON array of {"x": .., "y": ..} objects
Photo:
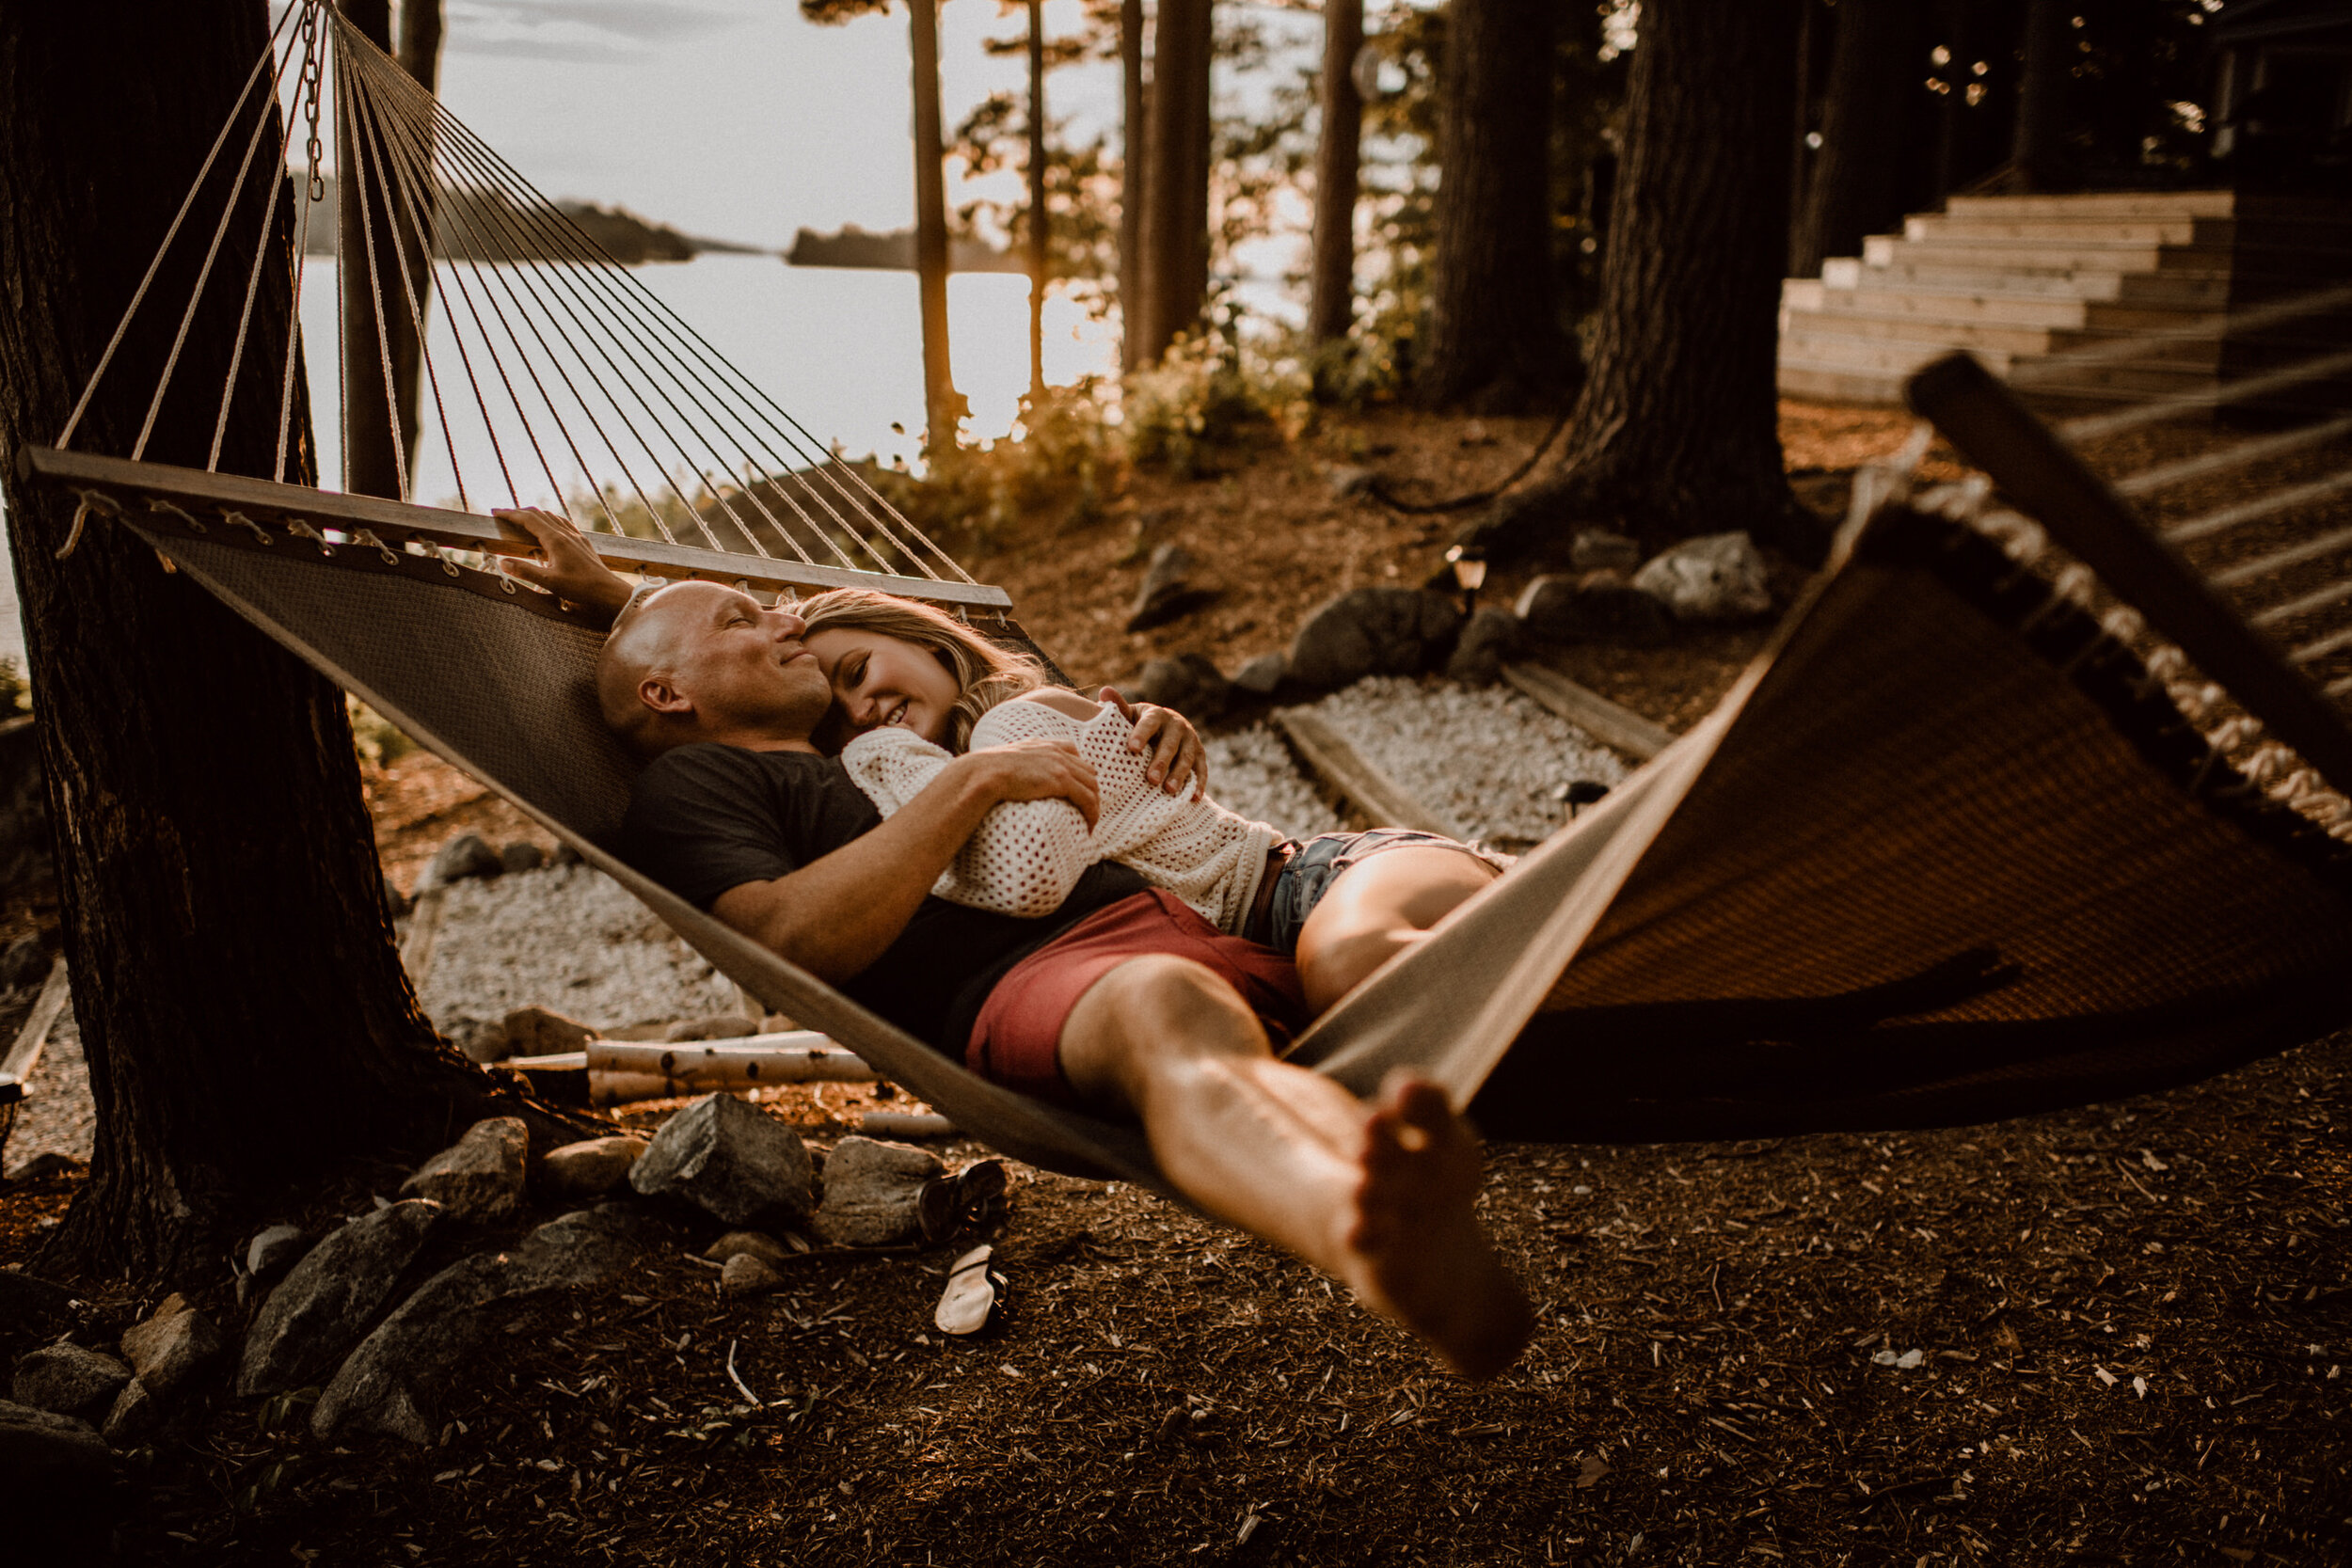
[{"x": 2022, "y": 281}]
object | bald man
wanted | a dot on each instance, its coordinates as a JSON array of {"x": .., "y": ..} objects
[{"x": 1123, "y": 1002}]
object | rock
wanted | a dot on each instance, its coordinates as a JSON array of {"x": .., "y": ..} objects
[
  {"x": 544, "y": 1031},
  {"x": 737, "y": 1243},
  {"x": 482, "y": 1039},
  {"x": 1373, "y": 631},
  {"x": 322, "y": 1308},
  {"x": 1348, "y": 478},
  {"x": 729, "y": 1158},
  {"x": 23, "y": 962},
  {"x": 714, "y": 1027},
  {"x": 395, "y": 901},
  {"x": 132, "y": 1415},
  {"x": 1262, "y": 675},
  {"x": 1599, "y": 607},
  {"x": 1190, "y": 684},
  {"x": 522, "y": 855},
  {"x": 592, "y": 1167},
  {"x": 67, "y": 1379},
  {"x": 747, "y": 1275},
  {"x": 1720, "y": 577},
  {"x": 28, "y": 1304},
  {"x": 1491, "y": 637},
  {"x": 1168, "y": 592},
  {"x": 274, "y": 1250},
  {"x": 41, "y": 1455},
  {"x": 564, "y": 855},
  {"x": 170, "y": 1347},
  {"x": 872, "y": 1192},
  {"x": 479, "y": 1177},
  {"x": 1599, "y": 550},
  {"x": 393, "y": 1381},
  {"x": 465, "y": 855}
]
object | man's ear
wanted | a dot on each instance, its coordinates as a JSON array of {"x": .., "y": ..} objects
[{"x": 657, "y": 693}]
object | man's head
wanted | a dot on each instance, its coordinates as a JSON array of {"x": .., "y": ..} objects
[{"x": 699, "y": 661}]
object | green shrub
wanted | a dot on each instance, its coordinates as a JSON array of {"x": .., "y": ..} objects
[{"x": 377, "y": 739}]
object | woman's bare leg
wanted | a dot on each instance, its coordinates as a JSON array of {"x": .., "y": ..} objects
[
  {"x": 1379, "y": 1197},
  {"x": 1378, "y": 908}
]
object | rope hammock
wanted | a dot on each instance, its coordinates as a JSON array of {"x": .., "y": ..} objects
[{"x": 2013, "y": 812}]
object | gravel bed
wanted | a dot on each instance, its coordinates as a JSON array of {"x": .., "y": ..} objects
[
  {"x": 56, "y": 1117},
  {"x": 1250, "y": 771},
  {"x": 570, "y": 938},
  {"x": 1499, "y": 765}
]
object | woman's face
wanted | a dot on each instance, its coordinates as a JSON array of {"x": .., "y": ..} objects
[{"x": 880, "y": 680}]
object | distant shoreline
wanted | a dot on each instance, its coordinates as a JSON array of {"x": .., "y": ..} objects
[{"x": 894, "y": 251}]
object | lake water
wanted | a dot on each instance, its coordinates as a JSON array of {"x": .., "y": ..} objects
[{"x": 840, "y": 349}]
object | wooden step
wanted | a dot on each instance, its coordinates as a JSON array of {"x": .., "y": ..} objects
[
  {"x": 2058, "y": 256},
  {"x": 1834, "y": 384},
  {"x": 2115, "y": 204},
  {"x": 2071, "y": 230},
  {"x": 1915, "y": 327},
  {"x": 1949, "y": 305}
]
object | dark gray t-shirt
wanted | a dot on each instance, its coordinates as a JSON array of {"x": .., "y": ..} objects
[{"x": 705, "y": 818}]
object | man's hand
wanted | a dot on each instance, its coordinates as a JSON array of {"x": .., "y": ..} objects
[
  {"x": 1177, "y": 757},
  {"x": 1035, "y": 770},
  {"x": 564, "y": 564}
]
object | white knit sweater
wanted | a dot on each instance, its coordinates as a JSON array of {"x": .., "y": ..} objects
[{"x": 1028, "y": 855}]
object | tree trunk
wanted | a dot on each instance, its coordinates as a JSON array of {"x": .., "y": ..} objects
[
  {"x": 1494, "y": 341},
  {"x": 1135, "y": 164},
  {"x": 942, "y": 407},
  {"x": 421, "y": 57},
  {"x": 1039, "y": 219},
  {"x": 247, "y": 1026},
  {"x": 1176, "y": 192},
  {"x": 2038, "y": 153},
  {"x": 1675, "y": 430},
  {"x": 1331, "y": 274},
  {"x": 1856, "y": 185},
  {"x": 379, "y": 253}
]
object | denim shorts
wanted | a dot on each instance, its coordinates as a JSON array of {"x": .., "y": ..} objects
[{"x": 1317, "y": 862}]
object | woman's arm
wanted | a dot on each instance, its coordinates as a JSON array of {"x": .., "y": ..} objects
[{"x": 1024, "y": 857}]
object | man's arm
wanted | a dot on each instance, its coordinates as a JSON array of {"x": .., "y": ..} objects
[{"x": 835, "y": 915}]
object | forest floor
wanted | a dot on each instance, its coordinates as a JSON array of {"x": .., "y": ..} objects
[{"x": 2109, "y": 1334}]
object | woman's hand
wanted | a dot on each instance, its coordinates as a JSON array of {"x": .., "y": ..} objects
[
  {"x": 1177, "y": 757},
  {"x": 1036, "y": 769},
  {"x": 564, "y": 564}
]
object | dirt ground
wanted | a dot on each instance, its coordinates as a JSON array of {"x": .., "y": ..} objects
[{"x": 2112, "y": 1335}]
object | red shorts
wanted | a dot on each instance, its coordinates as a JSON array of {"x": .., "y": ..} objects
[{"x": 1016, "y": 1040}]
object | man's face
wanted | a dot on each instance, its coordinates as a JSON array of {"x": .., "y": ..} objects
[{"x": 741, "y": 666}]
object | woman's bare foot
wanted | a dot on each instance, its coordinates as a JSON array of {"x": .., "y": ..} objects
[{"x": 1413, "y": 1251}]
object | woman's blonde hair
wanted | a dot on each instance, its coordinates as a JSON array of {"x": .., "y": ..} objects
[{"x": 985, "y": 674}]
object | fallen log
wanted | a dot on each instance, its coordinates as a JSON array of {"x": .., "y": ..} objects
[
  {"x": 623, "y": 1071},
  {"x": 1383, "y": 802}
]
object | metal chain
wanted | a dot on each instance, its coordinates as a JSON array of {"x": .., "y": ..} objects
[{"x": 309, "y": 87}]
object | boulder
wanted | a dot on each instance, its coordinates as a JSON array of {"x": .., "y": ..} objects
[
  {"x": 522, "y": 855},
  {"x": 1491, "y": 637},
  {"x": 393, "y": 1381},
  {"x": 30, "y": 1305},
  {"x": 322, "y": 1308},
  {"x": 170, "y": 1347},
  {"x": 544, "y": 1031},
  {"x": 747, "y": 1276},
  {"x": 479, "y": 1177},
  {"x": 1720, "y": 577},
  {"x": 1262, "y": 675},
  {"x": 1168, "y": 591},
  {"x": 395, "y": 901},
  {"x": 737, "y": 1243},
  {"x": 67, "y": 1380},
  {"x": 729, "y": 1158},
  {"x": 564, "y": 855},
  {"x": 1601, "y": 607},
  {"x": 1373, "y": 631},
  {"x": 592, "y": 1167},
  {"x": 1598, "y": 551},
  {"x": 132, "y": 1417},
  {"x": 1190, "y": 684},
  {"x": 482, "y": 1039},
  {"x": 275, "y": 1250},
  {"x": 1350, "y": 479},
  {"x": 712, "y": 1026},
  {"x": 465, "y": 855},
  {"x": 873, "y": 1191},
  {"x": 47, "y": 1462}
]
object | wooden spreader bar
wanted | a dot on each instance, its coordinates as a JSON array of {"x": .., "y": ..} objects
[{"x": 398, "y": 522}]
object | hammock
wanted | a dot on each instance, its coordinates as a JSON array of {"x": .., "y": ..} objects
[{"x": 1973, "y": 837}]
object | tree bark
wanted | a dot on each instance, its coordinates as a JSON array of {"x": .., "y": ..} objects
[
  {"x": 1039, "y": 219},
  {"x": 1495, "y": 341},
  {"x": 1675, "y": 430},
  {"x": 942, "y": 407},
  {"x": 1176, "y": 192},
  {"x": 247, "y": 1026},
  {"x": 2038, "y": 153},
  {"x": 1856, "y": 185},
  {"x": 1135, "y": 164},
  {"x": 419, "y": 56},
  {"x": 1331, "y": 274}
]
